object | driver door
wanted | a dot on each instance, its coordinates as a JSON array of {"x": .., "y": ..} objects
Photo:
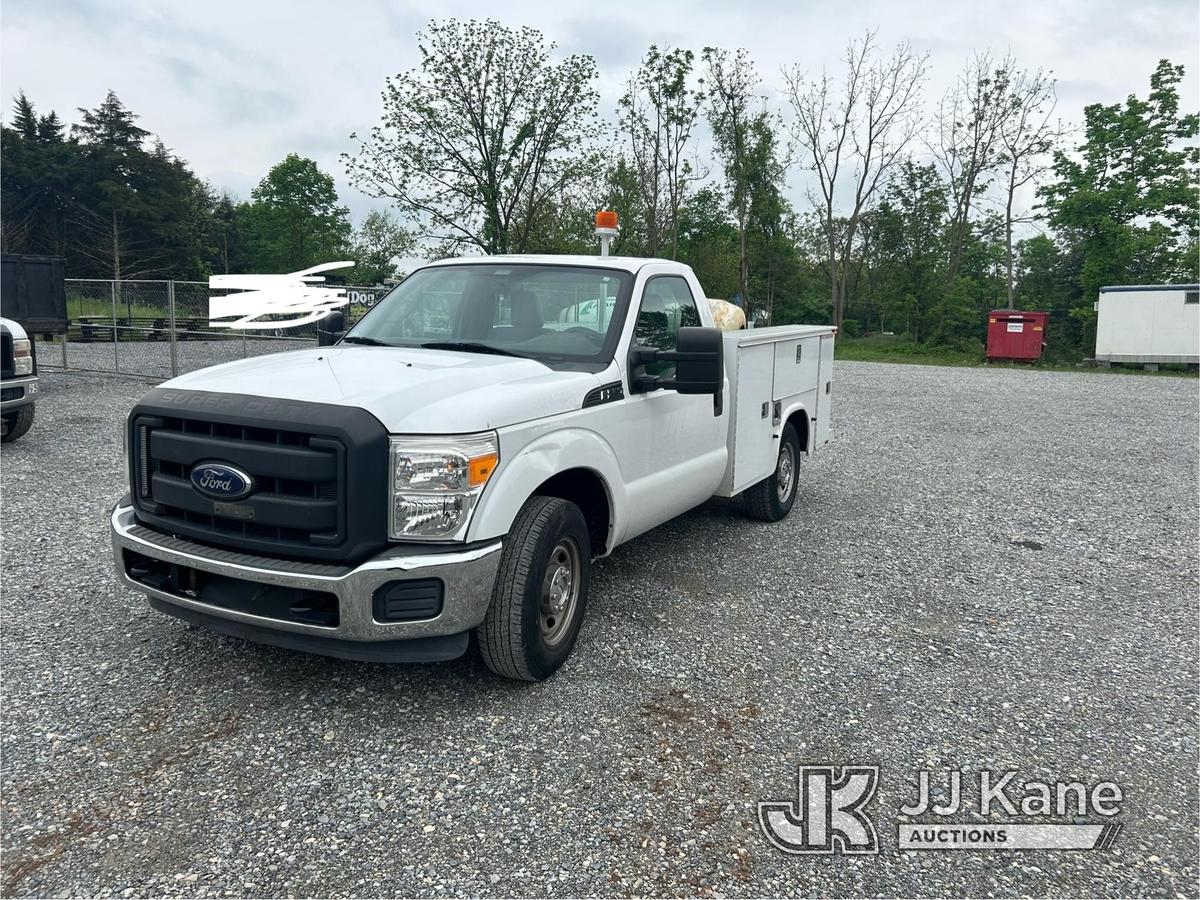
[{"x": 673, "y": 445}]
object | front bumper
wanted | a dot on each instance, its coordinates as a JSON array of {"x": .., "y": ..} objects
[
  {"x": 467, "y": 576},
  {"x": 17, "y": 392}
]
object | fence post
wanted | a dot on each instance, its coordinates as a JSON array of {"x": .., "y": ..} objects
[
  {"x": 171, "y": 327},
  {"x": 116, "y": 353},
  {"x": 65, "y": 335}
]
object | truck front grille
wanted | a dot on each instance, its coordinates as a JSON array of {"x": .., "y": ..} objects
[
  {"x": 319, "y": 473},
  {"x": 297, "y": 498},
  {"x": 8, "y": 365}
]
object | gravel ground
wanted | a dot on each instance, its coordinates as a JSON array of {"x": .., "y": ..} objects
[{"x": 988, "y": 569}]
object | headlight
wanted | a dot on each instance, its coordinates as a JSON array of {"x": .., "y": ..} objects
[
  {"x": 435, "y": 482},
  {"x": 22, "y": 358}
]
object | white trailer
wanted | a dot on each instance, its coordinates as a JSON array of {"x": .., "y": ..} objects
[{"x": 1148, "y": 324}]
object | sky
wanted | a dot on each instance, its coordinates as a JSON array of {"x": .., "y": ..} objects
[{"x": 232, "y": 87}]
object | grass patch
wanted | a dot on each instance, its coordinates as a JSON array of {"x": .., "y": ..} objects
[
  {"x": 900, "y": 349},
  {"x": 88, "y": 306}
]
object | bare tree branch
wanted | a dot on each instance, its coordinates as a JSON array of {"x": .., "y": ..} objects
[{"x": 851, "y": 142}]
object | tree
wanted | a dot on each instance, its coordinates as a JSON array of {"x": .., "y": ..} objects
[
  {"x": 226, "y": 238},
  {"x": 657, "y": 114},
  {"x": 113, "y": 202},
  {"x": 37, "y": 181},
  {"x": 908, "y": 239},
  {"x": 769, "y": 243},
  {"x": 117, "y": 208},
  {"x": 1126, "y": 201},
  {"x": 970, "y": 122},
  {"x": 739, "y": 125},
  {"x": 378, "y": 244},
  {"x": 1027, "y": 136},
  {"x": 622, "y": 193},
  {"x": 478, "y": 140},
  {"x": 858, "y": 137},
  {"x": 709, "y": 242},
  {"x": 294, "y": 220}
]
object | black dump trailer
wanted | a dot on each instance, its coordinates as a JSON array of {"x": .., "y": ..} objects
[{"x": 33, "y": 291}]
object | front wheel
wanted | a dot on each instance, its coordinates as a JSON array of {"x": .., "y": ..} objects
[
  {"x": 771, "y": 499},
  {"x": 541, "y": 591},
  {"x": 17, "y": 422}
]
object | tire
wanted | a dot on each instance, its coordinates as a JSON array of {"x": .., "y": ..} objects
[
  {"x": 546, "y": 563},
  {"x": 771, "y": 499},
  {"x": 17, "y": 422}
]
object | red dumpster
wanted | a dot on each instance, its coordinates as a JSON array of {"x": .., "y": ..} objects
[{"x": 1017, "y": 335}]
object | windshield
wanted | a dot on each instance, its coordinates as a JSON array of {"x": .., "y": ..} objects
[{"x": 568, "y": 313}]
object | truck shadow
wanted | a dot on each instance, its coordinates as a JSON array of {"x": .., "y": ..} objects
[{"x": 654, "y": 563}]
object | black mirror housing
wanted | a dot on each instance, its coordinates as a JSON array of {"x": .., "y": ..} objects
[
  {"x": 699, "y": 358},
  {"x": 700, "y": 361},
  {"x": 331, "y": 328}
]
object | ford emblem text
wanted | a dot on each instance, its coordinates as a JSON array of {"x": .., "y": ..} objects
[{"x": 221, "y": 481}]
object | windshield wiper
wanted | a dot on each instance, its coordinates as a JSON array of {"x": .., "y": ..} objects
[
  {"x": 473, "y": 347},
  {"x": 369, "y": 341}
]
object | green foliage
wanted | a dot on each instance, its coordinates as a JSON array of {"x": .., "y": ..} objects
[
  {"x": 622, "y": 193},
  {"x": 901, "y": 349},
  {"x": 293, "y": 220},
  {"x": 1126, "y": 201},
  {"x": 744, "y": 136},
  {"x": 119, "y": 206},
  {"x": 657, "y": 114},
  {"x": 378, "y": 245},
  {"x": 908, "y": 238},
  {"x": 708, "y": 242},
  {"x": 483, "y": 136}
]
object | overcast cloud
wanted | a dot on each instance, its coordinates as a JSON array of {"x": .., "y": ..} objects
[{"x": 234, "y": 86}]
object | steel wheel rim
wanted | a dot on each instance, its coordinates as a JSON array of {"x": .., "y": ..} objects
[
  {"x": 785, "y": 472},
  {"x": 560, "y": 592}
]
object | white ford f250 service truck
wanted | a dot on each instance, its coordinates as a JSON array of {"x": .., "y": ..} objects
[{"x": 458, "y": 458}]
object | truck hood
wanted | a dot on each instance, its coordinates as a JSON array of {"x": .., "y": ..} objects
[{"x": 410, "y": 391}]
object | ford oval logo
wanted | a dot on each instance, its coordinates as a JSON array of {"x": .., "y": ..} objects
[{"x": 221, "y": 481}]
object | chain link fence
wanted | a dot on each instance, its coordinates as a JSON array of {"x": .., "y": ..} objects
[{"x": 159, "y": 329}]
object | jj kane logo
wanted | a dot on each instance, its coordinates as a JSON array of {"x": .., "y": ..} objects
[{"x": 829, "y": 813}]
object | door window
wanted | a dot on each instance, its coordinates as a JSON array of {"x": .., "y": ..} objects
[{"x": 667, "y": 306}]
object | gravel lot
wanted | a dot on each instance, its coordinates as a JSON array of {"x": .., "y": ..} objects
[{"x": 988, "y": 569}]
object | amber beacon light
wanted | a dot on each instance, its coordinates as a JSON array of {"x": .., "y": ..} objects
[{"x": 606, "y": 229}]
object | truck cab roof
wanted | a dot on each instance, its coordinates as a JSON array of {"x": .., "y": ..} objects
[{"x": 622, "y": 263}]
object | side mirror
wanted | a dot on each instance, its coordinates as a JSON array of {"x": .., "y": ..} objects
[
  {"x": 699, "y": 358},
  {"x": 331, "y": 328}
]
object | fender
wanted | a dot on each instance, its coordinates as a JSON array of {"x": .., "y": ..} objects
[
  {"x": 525, "y": 466},
  {"x": 795, "y": 406}
]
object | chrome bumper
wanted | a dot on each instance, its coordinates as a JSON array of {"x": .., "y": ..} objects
[
  {"x": 467, "y": 575},
  {"x": 29, "y": 386}
]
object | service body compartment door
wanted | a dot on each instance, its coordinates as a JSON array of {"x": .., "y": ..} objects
[
  {"x": 796, "y": 364},
  {"x": 824, "y": 391},
  {"x": 752, "y": 454}
]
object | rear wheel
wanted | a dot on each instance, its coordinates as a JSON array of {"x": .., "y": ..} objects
[
  {"x": 771, "y": 499},
  {"x": 17, "y": 422},
  {"x": 540, "y": 595}
]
